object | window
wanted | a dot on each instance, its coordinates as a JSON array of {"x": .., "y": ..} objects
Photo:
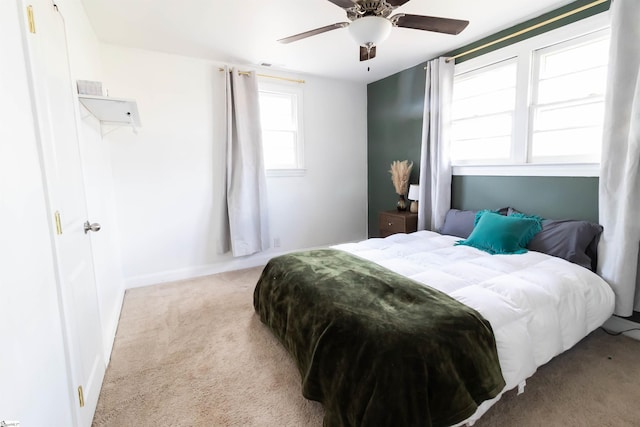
[
  {"x": 568, "y": 100},
  {"x": 280, "y": 118},
  {"x": 534, "y": 104},
  {"x": 482, "y": 113}
]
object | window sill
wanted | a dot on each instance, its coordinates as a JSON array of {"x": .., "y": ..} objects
[
  {"x": 285, "y": 172},
  {"x": 574, "y": 169}
]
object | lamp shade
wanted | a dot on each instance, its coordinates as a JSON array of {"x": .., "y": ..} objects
[
  {"x": 414, "y": 192},
  {"x": 370, "y": 29}
]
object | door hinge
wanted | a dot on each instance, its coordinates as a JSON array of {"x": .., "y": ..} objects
[
  {"x": 58, "y": 223},
  {"x": 32, "y": 22},
  {"x": 81, "y": 396}
]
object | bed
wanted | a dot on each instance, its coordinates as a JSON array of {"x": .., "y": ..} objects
[{"x": 535, "y": 305}]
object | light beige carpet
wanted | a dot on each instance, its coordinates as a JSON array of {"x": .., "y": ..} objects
[{"x": 193, "y": 353}]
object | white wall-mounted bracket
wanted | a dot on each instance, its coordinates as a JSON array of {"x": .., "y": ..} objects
[{"x": 112, "y": 111}]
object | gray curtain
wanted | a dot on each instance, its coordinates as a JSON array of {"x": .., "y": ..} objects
[
  {"x": 246, "y": 224},
  {"x": 619, "y": 192},
  {"x": 435, "y": 163}
]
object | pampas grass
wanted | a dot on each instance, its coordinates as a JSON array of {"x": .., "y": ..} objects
[{"x": 400, "y": 172}]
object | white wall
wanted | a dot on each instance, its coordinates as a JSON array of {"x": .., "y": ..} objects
[
  {"x": 34, "y": 386},
  {"x": 167, "y": 177}
]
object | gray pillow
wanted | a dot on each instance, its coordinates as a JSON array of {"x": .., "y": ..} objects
[
  {"x": 575, "y": 241},
  {"x": 460, "y": 223}
]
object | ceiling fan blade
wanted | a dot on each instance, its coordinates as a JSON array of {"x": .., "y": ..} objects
[
  {"x": 345, "y": 4},
  {"x": 429, "y": 23},
  {"x": 397, "y": 3},
  {"x": 313, "y": 32},
  {"x": 367, "y": 53}
]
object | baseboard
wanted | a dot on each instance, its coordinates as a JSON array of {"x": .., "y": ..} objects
[
  {"x": 619, "y": 324},
  {"x": 192, "y": 272},
  {"x": 205, "y": 270}
]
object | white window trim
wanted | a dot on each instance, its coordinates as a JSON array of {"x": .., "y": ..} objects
[
  {"x": 529, "y": 169},
  {"x": 523, "y": 52},
  {"x": 285, "y": 172},
  {"x": 265, "y": 85}
]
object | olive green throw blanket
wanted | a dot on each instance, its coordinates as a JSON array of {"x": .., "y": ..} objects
[{"x": 374, "y": 347}]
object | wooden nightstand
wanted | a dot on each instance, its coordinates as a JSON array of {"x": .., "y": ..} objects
[{"x": 392, "y": 222}]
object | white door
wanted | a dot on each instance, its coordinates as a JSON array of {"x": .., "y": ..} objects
[
  {"x": 54, "y": 105},
  {"x": 33, "y": 368}
]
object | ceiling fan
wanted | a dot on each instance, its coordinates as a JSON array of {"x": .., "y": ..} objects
[{"x": 371, "y": 24}]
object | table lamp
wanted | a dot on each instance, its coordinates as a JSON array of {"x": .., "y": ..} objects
[{"x": 414, "y": 191}]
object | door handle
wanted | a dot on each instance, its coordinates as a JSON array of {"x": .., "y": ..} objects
[{"x": 91, "y": 227}]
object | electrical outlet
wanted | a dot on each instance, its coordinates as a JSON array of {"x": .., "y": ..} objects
[{"x": 276, "y": 242}]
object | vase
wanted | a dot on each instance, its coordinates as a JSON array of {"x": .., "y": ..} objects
[{"x": 402, "y": 203}]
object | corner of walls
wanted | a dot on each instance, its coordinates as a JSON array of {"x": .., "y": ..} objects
[
  {"x": 168, "y": 177},
  {"x": 395, "y": 107}
]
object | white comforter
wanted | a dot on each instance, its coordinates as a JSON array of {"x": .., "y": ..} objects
[{"x": 538, "y": 305}]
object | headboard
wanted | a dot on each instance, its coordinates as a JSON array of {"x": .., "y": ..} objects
[{"x": 550, "y": 197}]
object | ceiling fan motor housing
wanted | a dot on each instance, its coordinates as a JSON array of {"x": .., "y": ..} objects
[{"x": 369, "y": 8}]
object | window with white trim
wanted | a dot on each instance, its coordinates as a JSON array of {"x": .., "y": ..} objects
[
  {"x": 281, "y": 122},
  {"x": 567, "y": 105},
  {"x": 537, "y": 102},
  {"x": 482, "y": 113}
]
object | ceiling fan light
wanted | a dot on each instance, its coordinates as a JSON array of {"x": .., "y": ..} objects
[{"x": 370, "y": 29}]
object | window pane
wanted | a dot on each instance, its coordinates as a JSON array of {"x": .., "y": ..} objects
[
  {"x": 482, "y": 113},
  {"x": 481, "y": 149},
  {"x": 580, "y": 142},
  {"x": 482, "y": 127},
  {"x": 277, "y": 111},
  {"x": 571, "y": 116},
  {"x": 279, "y": 115},
  {"x": 581, "y": 57},
  {"x": 573, "y": 86},
  {"x": 279, "y": 149},
  {"x": 497, "y": 102},
  {"x": 487, "y": 80},
  {"x": 568, "y": 116}
]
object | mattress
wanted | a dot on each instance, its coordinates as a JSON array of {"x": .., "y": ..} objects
[{"x": 538, "y": 305}]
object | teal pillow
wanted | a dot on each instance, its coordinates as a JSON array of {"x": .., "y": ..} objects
[{"x": 499, "y": 234}]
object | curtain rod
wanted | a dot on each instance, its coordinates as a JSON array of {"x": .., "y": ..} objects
[
  {"x": 526, "y": 30},
  {"x": 286, "y": 79}
]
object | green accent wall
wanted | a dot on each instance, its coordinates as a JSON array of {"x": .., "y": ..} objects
[
  {"x": 552, "y": 197},
  {"x": 395, "y": 108},
  {"x": 394, "y": 125}
]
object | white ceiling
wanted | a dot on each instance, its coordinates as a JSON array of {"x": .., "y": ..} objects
[{"x": 242, "y": 32}]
